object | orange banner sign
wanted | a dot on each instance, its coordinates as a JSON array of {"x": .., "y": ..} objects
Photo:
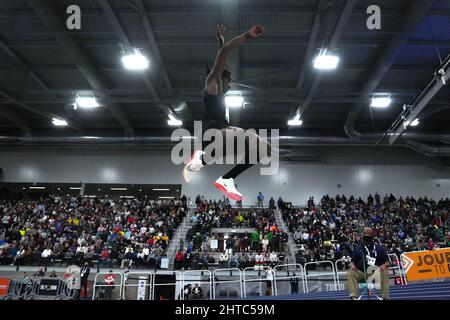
[
  {"x": 426, "y": 265},
  {"x": 4, "y": 283}
]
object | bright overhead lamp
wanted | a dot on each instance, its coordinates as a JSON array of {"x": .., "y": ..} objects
[
  {"x": 234, "y": 101},
  {"x": 380, "y": 102},
  {"x": 87, "y": 102},
  {"x": 59, "y": 122},
  {"x": 37, "y": 188},
  {"x": 174, "y": 122},
  {"x": 166, "y": 197},
  {"x": 135, "y": 61},
  {"x": 161, "y": 189},
  {"x": 119, "y": 189},
  {"x": 295, "y": 122},
  {"x": 326, "y": 61},
  {"x": 413, "y": 123},
  {"x": 75, "y": 188}
]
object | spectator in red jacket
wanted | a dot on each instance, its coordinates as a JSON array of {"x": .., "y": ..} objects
[
  {"x": 179, "y": 257},
  {"x": 104, "y": 257}
]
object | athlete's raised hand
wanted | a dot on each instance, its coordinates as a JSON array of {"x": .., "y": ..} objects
[
  {"x": 255, "y": 31},
  {"x": 220, "y": 35}
]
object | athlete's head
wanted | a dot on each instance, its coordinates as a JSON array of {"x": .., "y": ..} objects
[{"x": 226, "y": 81}]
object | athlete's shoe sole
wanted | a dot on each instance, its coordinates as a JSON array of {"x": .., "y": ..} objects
[
  {"x": 188, "y": 174},
  {"x": 230, "y": 195}
]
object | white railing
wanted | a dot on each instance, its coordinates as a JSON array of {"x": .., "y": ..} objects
[
  {"x": 296, "y": 267},
  {"x": 317, "y": 274},
  {"x": 260, "y": 270},
  {"x": 108, "y": 287},
  {"x": 217, "y": 282},
  {"x": 238, "y": 278}
]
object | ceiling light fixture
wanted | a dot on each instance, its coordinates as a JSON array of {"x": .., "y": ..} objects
[
  {"x": 326, "y": 61},
  {"x": 174, "y": 122},
  {"x": 234, "y": 101},
  {"x": 135, "y": 61},
  {"x": 414, "y": 123},
  {"x": 87, "y": 102},
  {"x": 59, "y": 122},
  {"x": 295, "y": 122},
  {"x": 381, "y": 101}
]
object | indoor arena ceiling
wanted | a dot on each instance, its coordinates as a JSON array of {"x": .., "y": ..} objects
[{"x": 44, "y": 66}]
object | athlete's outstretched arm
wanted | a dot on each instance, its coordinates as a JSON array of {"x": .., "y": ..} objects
[
  {"x": 220, "y": 35},
  {"x": 222, "y": 57}
]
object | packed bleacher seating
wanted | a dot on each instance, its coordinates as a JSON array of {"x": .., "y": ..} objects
[
  {"x": 330, "y": 229},
  {"x": 136, "y": 233},
  {"x": 263, "y": 242},
  {"x": 74, "y": 230}
]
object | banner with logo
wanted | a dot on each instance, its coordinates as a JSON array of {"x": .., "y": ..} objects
[
  {"x": 164, "y": 263},
  {"x": 141, "y": 289},
  {"x": 426, "y": 265},
  {"x": 214, "y": 244},
  {"x": 4, "y": 284},
  {"x": 49, "y": 287}
]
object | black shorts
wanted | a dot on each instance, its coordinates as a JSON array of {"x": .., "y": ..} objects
[{"x": 214, "y": 124}]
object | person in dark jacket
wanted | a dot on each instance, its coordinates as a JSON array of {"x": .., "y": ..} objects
[
  {"x": 294, "y": 284},
  {"x": 368, "y": 254},
  {"x": 84, "y": 276}
]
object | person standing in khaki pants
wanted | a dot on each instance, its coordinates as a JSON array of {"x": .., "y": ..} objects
[{"x": 365, "y": 255}]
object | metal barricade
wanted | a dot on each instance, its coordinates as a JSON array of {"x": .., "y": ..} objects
[
  {"x": 218, "y": 282},
  {"x": 333, "y": 273},
  {"x": 104, "y": 288},
  {"x": 397, "y": 265},
  {"x": 339, "y": 273},
  {"x": 15, "y": 289},
  {"x": 143, "y": 286},
  {"x": 178, "y": 279},
  {"x": 26, "y": 291},
  {"x": 258, "y": 271},
  {"x": 278, "y": 269},
  {"x": 201, "y": 274},
  {"x": 64, "y": 290}
]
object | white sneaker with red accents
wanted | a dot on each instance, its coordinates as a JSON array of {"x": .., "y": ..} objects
[
  {"x": 228, "y": 188},
  {"x": 193, "y": 166}
]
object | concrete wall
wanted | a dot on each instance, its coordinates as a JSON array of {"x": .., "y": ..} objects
[{"x": 359, "y": 171}]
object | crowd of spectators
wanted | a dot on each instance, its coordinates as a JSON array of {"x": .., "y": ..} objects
[
  {"x": 71, "y": 231},
  {"x": 126, "y": 233},
  {"x": 330, "y": 229},
  {"x": 263, "y": 244}
]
